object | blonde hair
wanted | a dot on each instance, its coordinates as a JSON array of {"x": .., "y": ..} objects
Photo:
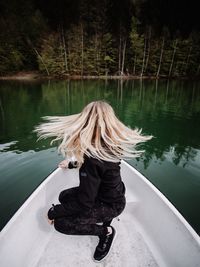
[{"x": 95, "y": 132}]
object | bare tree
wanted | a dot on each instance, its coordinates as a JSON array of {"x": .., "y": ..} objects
[
  {"x": 134, "y": 66},
  {"x": 119, "y": 53},
  {"x": 172, "y": 61},
  {"x": 123, "y": 56},
  {"x": 65, "y": 51},
  {"x": 38, "y": 55},
  {"x": 144, "y": 56},
  {"x": 82, "y": 49},
  {"x": 187, "y": 60},
  {"x": 161, "y": 56},
  {"x": 148, "y": 49}
]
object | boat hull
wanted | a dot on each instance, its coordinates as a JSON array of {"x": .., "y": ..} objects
[{"x": 151, "y": 232}]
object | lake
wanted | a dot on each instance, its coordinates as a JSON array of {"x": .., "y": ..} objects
[{"x": 168, "y": 110}]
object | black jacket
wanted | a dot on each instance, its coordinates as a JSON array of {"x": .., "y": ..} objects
[{"x": 99, "y": 181}]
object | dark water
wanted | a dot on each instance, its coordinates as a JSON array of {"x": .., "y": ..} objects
[{"x": 168, "y": 110}]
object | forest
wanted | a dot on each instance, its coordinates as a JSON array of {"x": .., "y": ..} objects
[{"x": 65, "y": 38}]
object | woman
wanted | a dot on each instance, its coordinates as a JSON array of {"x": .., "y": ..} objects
[{"x": 98, "y": 141}]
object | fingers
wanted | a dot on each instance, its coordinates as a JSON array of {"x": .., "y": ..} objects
[
  {"x": 63, "y": 164},
  {"x": 50, "y": 221}
]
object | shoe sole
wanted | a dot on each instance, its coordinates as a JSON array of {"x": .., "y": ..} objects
[{"x": 109, "y": 249}]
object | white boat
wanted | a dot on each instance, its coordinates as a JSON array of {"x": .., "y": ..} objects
[{"x": 151, "y": 232}]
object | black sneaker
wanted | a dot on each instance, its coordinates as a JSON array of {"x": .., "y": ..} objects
[{"x": 104, "y": 246}]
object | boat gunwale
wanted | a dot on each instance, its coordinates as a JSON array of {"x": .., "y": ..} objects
[
  {"x": 167, "y": 202},
  {"x": 28, "y": 200},
  {"x": 141, "y": 176}
]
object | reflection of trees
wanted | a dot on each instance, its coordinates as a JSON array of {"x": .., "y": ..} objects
[
  {"x": 169, "y": 110},
  {"x": 19, "y": 111},
  {"x": 183, "y": 155}
]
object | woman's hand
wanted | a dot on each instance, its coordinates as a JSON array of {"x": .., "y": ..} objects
[
  {"x": 63, "y": 164},
  {"x": 50, "y": 221}
]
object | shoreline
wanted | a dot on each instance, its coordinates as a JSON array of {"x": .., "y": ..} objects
[{"x": 36, "y": 76}]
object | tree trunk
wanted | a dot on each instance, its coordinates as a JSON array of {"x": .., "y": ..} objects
[
  {"x": 38, "y": 54},
  {"x": 40, "y": 57},
  {"x": 123, "y": 57},
  {"x": 172, "y": 61},
  {"x": 61, "y": 61},
  {"x": 144, "y": 55},
  {"x": 69, "y": 56},
  {"x": 148, "y": 50},
  {"x": 134, "y": 66},
  {"x": 161, "y": 55},
  {"x": 97, "y": 53},
  {"x": 119, "y": 61},
  {"x": 64, "y": 48},
  {"x": 82, "y": 52},
  {"x": 187, "y": 61}
]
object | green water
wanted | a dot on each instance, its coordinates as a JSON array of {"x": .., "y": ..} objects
[{"x": 170, "y": 111}]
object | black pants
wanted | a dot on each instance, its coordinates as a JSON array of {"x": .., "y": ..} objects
[{"x": 69, "y": 218}]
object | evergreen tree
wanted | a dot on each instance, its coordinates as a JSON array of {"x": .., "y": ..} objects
[
  {"x": 50, "y": 59},
  {"x": 85, "y": 37},
  {"x": 137, "y": 46}
]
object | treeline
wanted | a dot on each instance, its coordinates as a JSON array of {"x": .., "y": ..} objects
[{"x": 93, "y": 38}]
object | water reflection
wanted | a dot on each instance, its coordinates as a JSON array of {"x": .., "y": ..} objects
[{"x": 169, "y": 110}]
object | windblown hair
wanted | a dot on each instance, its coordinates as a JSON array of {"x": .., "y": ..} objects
[{"x": 95, "y": 132}]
